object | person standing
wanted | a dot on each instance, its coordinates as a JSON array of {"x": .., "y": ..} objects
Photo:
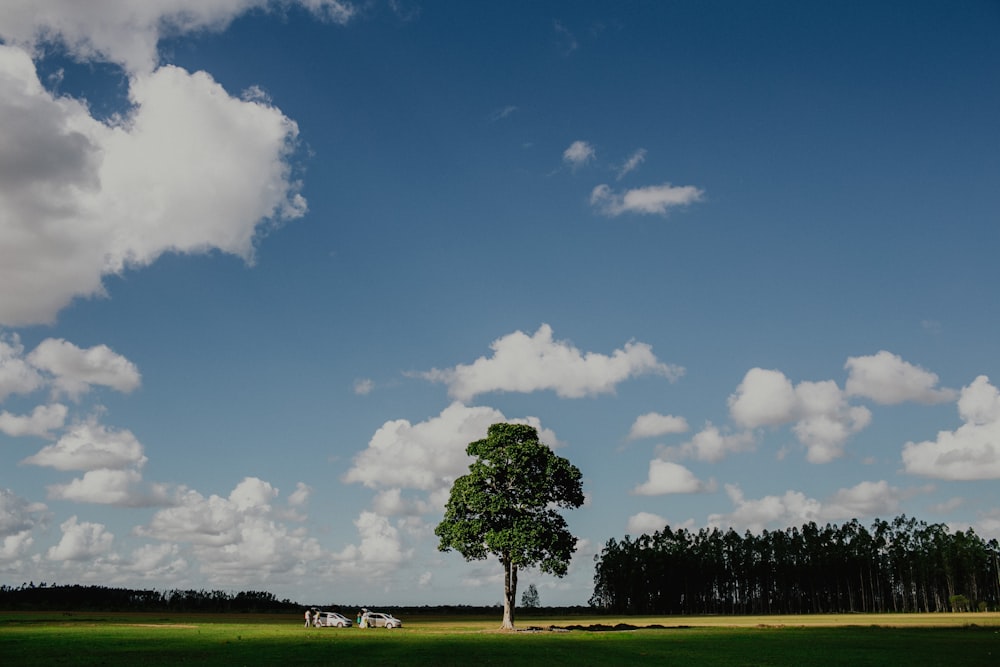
[{"x": 307, "y": 619}]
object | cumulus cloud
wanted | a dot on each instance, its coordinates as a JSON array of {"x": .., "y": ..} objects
[
  {"x": 81, "y": 540},
  {"x": 187, "y": 169},
  {"x": 653, "y": 424},
  {"x": 75, "y": 370},
  {"x": 823, "y": 420},
  {"x": 866, "y": 499},
  {"x": 105, "y": 487},
  {"x": 525, "y": 363},
  {"x": 649, "y": 200},
  {"x": 763, "y": 398},
  {"x": 632, "y": 163},
  {"x": 792, "y": 508},
  {"x": 63, "y": 367},
  {"x": 157, "y": 562},
  {"x": 126, "y": 32},
  {"x": 970, "y": 452},
  {"x": 391, "y": 502},
  {"x": 91, "y": 446},
  {"x": 300, "y": 496},
  {"x": 645, "y": 523},
  {"x": 17, "y": 376},
  {"x": 888, "y": 380},
  {"x": 238, "y": 536},
  {"x": 41, "y": 422},
  {"x": 381, "y": 545},
  {"x": 428, "y": 455},
  {"x": 668, "y": 477},
  {"x": 578, "y": 154},
  {"x": 363, "y": 386},
  {"x": 712, "y": 445},
  {"x": 18, "y": 520}
]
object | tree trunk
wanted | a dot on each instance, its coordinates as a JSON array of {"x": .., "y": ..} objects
[{"x": 509, "y": 594}]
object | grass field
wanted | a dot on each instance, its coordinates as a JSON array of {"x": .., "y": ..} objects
[{"x": 240, "y": 639}]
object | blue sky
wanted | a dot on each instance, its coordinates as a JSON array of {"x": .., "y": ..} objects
[{"x": 268, "y": 267}]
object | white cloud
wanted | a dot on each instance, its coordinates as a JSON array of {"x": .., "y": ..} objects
[
  {"x": 104, "y": 487},
  {"x": 866, "y": 499},
  {"x": 823, "y": 419},
  {"x": 712, "y": 445},
  {"x": 887, "y": 379},
  {"x": 15, "y": 546},
  {"x": 970, "y": 452},
  {"x": 649, "y": 200},
  {"x": 81, "y": 541},
  {"x": 381, "y": 545},
  {"x": 90, "y": 446},
  {"x": 212, "y": 521},
  {"x": 127, "y": 32},
  {"x": 75, "y": 369},
  {"x": 42, "y": 420},
  {"x": 264, "y": 548},
  {"x": 525, "y": 363},
  {"x": 17, "y": 514},
  {"x": 645, "y": 523},
  {"x": 578, "y": 154},
  {"x": 18, "y": 520},
  {"x": 17, "y": 376},
  {"x": 763, "y": 398},
  {"x": 632, "y": 163},
  {"x": 793, "y": 508},
  {"x": 391, "y": 502},
  {"x": 826, "y": 421},
  {"x": 429, "y": 455},
  {"x": 363, "y": 386},
  {"x": 301, "y": 495},
  {"x": 157, "y": 562},
  {"x": 653, "y": 424},
  {"x": 253, "y": 495},
  {"x": 238, "y": 537},
  {"x": 188, "y": 169},
  {"x": 668, "y": 477},
  {"x": 502, "y": 113}
]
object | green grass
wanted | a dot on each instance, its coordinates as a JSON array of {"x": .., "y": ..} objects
[{"x": 857, "y": 641}]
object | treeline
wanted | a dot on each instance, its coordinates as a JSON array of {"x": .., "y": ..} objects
[
  {"x": 900, "y": 566},
  {"x": 44, "y": 597}
]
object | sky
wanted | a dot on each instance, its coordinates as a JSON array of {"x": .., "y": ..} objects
[{"x": 267, "y": 267}]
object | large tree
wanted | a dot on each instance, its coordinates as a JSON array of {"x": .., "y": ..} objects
[{"x": 508, "y": 506}]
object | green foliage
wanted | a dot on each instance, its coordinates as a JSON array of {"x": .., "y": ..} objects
[
  {"x": 530, "y": 598},
  {"x": 900, "y": 566},
  {"x": 508, "y": 506}
]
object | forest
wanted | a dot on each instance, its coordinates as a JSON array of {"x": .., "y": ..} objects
[
  {"x": 904, "y": 565},
  {"x": 38, "y": 597}
]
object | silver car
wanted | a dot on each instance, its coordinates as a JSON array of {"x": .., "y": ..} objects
[
  {"x": 379, "y": 620},
  {"x": 331, "y": 619}
]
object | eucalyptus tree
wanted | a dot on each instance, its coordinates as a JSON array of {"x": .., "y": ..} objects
[{"x": 508, "y": 506}]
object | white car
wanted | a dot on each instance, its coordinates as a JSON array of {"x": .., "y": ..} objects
[
  {"x": 377, "y": 619},
  {"x": 331, "y": 619}
]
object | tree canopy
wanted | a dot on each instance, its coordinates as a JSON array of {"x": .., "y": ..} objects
[
  {"x": 899, "y": 566},
  {"x": 508, "y": 506}
]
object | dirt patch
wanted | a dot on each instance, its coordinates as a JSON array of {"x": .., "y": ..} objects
[{"x": 600, "y": 627}]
